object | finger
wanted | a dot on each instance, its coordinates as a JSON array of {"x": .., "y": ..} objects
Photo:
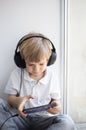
[
  {"x": 21, "y": 113},
  {"x": 29, "y": 96}
]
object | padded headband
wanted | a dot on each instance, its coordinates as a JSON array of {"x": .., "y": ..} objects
[{"x": 26, "y": 38}]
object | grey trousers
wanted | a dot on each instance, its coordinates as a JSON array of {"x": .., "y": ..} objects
[{"x": 10, "y": 121}]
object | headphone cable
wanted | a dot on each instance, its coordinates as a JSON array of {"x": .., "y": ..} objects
[
  {"x": 22, "y": 73},
  {"x": 7, "y": 120}
]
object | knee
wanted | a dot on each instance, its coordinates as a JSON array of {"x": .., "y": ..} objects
[
  {"x": 66, "y": 122},
  {"x": 3, "y": 102}
]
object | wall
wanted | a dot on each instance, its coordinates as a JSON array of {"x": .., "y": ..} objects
[
  {"x": 17, "y": 18},
  {"x": 77, "y": 60}
]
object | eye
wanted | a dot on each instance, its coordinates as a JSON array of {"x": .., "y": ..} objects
[
  {"x": 30, "y": 64},
  {"x": 41, "y": 64}
]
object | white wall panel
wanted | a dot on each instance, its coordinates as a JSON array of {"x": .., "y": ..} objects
[{"x": 17, "y": 18}]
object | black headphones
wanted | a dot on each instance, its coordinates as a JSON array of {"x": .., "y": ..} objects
[{"x": 21, "y": 63}]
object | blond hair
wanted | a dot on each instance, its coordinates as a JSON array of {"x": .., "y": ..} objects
[{"x": 35, "y": 48}]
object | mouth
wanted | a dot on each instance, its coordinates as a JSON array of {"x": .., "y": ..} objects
[{"x": 36, "y": 73}]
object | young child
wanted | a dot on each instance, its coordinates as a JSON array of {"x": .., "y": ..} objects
[{"x": 33, "y": 83}]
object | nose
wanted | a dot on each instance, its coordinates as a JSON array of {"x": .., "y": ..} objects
[{"x": 36, "y": 68}]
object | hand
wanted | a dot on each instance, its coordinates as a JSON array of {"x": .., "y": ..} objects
[
  {"x": 55, "y": 109},
  {"x": 23, "y": 100}
]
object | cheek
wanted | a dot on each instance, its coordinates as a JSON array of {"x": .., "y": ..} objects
[
  {"x": 29, "y": 69},
  {"x": 43, "y": 67}
]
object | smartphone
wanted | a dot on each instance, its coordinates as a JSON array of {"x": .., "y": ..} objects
[{"x": 39, "y": 108}]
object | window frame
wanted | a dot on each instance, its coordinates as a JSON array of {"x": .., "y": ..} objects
[
  {"x": 64, "y": 51},
  {"x": 64, "y": 6}
]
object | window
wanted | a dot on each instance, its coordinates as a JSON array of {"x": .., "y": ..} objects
[{"x": 74, "y": 59}]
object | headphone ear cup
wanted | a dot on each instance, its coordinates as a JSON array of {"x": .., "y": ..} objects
[
  {"x": 52, "y": 58},
  {"x": 19, "y": 61}
]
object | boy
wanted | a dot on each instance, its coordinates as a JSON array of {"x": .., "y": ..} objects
[{"x": 34, "y": 84}]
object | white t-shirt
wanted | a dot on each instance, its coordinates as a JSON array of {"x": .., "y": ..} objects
[{"x": 43, "y": 91}]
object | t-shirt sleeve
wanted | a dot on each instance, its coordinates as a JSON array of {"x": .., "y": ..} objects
[
  {"x": 13, "y": 84},
  {"x": 55, "y": 91}
]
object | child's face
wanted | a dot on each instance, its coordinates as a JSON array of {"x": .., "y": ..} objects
[{"x": 36, "y": 69}]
